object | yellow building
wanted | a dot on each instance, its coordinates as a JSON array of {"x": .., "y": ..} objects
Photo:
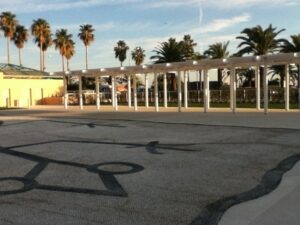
[{"x": 24, "y": 87}]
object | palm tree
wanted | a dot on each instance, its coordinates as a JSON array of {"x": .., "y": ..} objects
[
  {"x": 62, "y": 43},
  {"x": 168, "y": 51},
  {"x": 120, "y": 51},
  {"x": 70, "y": 51},
  {"x": 8, "y": 24},
  {"x": 199, "y": 56},
  {"x": 246, "y": 76},
  {"x": 278, "y": 70},
  {"x": 217, "y": 51},
  {"x": 45, "y": 46},
  {"x": 86, "y": 34},
  {"x": 293, "y": 46},
  {"x": 20, "y": 36},
  {"x": 259, "y": 41},
  {"x": 40, "y": 29},
  {"x": 138, "y": 55},
  {"x": 188, "y": 45}
]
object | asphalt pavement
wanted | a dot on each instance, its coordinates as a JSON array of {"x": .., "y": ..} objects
[{"x": 134, "y": 168}]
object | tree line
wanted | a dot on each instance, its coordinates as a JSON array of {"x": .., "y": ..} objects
[{"x": 254, "y": 41}]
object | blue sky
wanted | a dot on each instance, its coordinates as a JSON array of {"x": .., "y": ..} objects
[{"x": 145, "y": 23}]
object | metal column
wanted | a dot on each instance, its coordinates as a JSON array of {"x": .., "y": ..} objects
[
  {"x": 65, "y": 93},
  {"x": 287, "y": 88},
  {"x": 80, "y": 93},
  {"x": 113, "y": 91},
  {"x": 257, "y": 85},
  {"x": 134, "y": 92},
  {"x": 165, "y": 92},
  {"x": 185, "y": 90},
  {"x": 233, "y": 90},
  {"x": 129, "y": 91},
  {"x": 266, "y": 90},
  {"x": 116, "y": 94},
  {"x": 97, "y": 93},
  {"x": 206, "y": 91},
  {"x": 146, "y": 91},
  {"x": 156, "y": 92},
  {"x": 179, "y": 91}
]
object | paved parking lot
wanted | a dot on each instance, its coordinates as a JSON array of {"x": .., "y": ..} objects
[{"x": 88, "y": 168}]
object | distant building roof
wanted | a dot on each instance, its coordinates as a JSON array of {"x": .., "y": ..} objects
[{"x": 11, "y": 69}]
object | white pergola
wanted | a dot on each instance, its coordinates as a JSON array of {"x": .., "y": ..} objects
[{"x": 182, "y": 68}]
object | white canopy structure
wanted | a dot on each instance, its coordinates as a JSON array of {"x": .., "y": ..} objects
[{"x": 181, "y": 68}]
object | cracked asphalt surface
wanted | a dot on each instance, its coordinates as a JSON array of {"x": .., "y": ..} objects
[{"x": 88, "y": 168}]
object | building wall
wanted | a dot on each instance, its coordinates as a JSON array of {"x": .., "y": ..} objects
[{"x": 27, "y": 92}]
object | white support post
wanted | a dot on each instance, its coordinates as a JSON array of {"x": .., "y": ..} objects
[
  {"x": 116, "y": 94},
  {"x": 80, "y": 93},
  {"x": 206, "y": 91},
  {"x": 199, "y": 88},
  {"x": 287, "y": 88},
  {"x": 156, "y": 92},
  {"x": 298, "y": 67},
  {"x": 233, "y": 90},
  {"x": 185, "y": 90},
  {"x": 146, "y": 91},
  {"x": 97, "y": 93},
  {"x": 257, "y": 86},
  {"x": 66, "y": 99},
  {"x": 113, "y": 91},
  {"x": 134, "y": 93},
  {"x": 266, "y": 90},
  {"x": 179, "y": 91},
  {"x": 165, "y": 91},
  {"x": 129, "y": 91}
]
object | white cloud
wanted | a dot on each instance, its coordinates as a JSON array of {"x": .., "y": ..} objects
[
  {"x": 218, "y": 3},
  {"x": 248, "y": 3},
  {"x": 18, "y": 6},
  {"x": 221, "y": 24},
  {"x": 56, "y": 5}
]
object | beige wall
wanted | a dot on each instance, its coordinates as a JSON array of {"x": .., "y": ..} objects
[{"x": 27, "y": 92}]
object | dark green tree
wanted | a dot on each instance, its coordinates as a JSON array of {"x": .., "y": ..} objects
[
  {"x": 259, "y": 41},
  {"x": 218, "y": 51},
  {"x": 8, "y": 24},
  {"x": 86, "y": 35},
  {"x": 121, "y": 51},
  {"x": 20, "y": 37},
  {"x": 138, "y": 55}
]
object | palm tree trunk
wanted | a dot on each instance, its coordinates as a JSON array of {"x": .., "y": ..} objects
[
  {"x": 43, "y": 65},
  {"x": 63, "y": 63},
  {"x": 261, "y": 76},
  {"x": 86, "y": 57},
  {"x": 8, "y": 53},
  {"x": 298, "y": 77},
  {"x": 282, "y": 80},
  {"x": 20, "y": 60},
  {"x": 220, "y": 78},
  {"x": 298, "y": 86},
  {"x": 41, "y": 54},
  {"x": 40, "y": 59},
  {"x": 200, "y": 80}
]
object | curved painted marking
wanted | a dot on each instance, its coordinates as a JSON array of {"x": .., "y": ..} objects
[{"x": 213, "y": 212}]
